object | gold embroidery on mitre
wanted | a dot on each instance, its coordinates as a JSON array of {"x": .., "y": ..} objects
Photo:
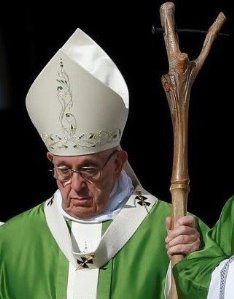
[
  {"x": 68, "y": 123},
  {"x": 83, "y": 140},
  {"x": 64, "y": 94}
]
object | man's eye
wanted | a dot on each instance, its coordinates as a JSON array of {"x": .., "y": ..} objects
[
  {"x": 63, "y": 170},
  {"x": 89, "y": 170}
]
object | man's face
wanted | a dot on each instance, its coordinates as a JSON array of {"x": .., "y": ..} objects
[{"x": 81, "y": 197}]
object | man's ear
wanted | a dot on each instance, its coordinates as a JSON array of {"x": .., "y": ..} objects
[
  {"x": 121, "y": 158},
  {"x": 50, "y": 156}
]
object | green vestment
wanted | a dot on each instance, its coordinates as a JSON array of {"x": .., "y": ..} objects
[
  {"x": 193, "y": 274},
  {"x": 33, "y": 267}
]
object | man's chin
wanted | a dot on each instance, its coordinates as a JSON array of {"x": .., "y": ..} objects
[{"x": 82, "y": 213}]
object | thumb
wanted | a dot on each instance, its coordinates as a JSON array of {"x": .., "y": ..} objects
[{"x": 169, "y": 223}]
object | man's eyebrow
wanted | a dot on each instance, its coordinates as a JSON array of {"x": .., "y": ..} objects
[{"x": 82, "y": 164}]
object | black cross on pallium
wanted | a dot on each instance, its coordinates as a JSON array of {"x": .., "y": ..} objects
[
  {"x": 142, "y": 200},
  {"x": 50, "y": 202},
  {"x": 85, "y": 260}
]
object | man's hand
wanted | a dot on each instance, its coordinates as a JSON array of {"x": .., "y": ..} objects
[{"x": 183, "y": 238}]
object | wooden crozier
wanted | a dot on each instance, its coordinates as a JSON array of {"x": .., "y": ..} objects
[{"x": 177, "y": 85}]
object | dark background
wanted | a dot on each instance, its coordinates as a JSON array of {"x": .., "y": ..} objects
[{"x": 31, "y": 36}]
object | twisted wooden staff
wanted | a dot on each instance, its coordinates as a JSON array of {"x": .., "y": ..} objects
[{"x": 177, "y": 85}]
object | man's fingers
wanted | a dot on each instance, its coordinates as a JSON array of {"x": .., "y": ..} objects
[
  {"x": 183, "y": 248},
  {"x": 183, "y": 239},
  {"x": 187, "y": 220},
  {"x": 181, "y": 230}
]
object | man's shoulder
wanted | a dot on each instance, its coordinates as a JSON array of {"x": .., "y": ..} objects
[
  {"x": 160, "y": 204},
  {"x": 28, "y": 219},
  {"x": 26, "y": 230}
]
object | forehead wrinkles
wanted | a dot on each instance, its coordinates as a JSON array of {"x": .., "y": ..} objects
[{"x": 78, "y": 160}]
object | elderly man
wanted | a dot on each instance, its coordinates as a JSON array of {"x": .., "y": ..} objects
[{"x": 101, "y": 235}]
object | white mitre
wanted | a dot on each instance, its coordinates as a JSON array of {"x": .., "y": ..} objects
[{"x": 79, "y": 102}]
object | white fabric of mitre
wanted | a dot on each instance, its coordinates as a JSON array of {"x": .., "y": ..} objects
[{"x": 79, "y": 102}]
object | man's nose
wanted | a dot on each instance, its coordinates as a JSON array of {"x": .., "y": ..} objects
[{"x": 77, "y": 181}]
